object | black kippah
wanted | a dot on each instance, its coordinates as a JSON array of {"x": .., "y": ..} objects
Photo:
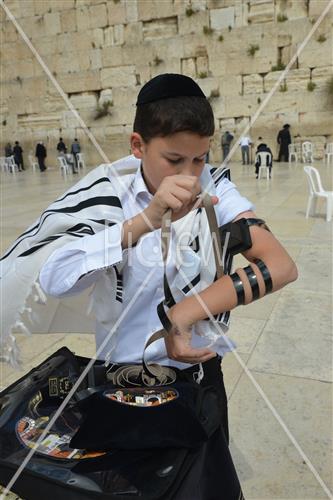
[{"x": 168, "y": 85}]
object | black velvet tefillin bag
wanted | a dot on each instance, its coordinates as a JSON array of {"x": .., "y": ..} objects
[
  {"x": 181, "y": 415},
  {"x": 56, "y": 470}
]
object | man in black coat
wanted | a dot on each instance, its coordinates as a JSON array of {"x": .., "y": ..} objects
[
  {"x": 284, "y": 139},
  {"x": 61, "y": 147},
  {"x": 18, "y": 156},
  {"x": 41, "y": 155}
]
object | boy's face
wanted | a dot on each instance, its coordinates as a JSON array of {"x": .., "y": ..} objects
[{"x": 181, "y": 153}]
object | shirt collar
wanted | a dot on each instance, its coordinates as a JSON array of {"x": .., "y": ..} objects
[{"x": 139, "y": 185}]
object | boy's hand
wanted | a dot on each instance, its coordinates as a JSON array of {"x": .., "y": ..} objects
[
  {"x": 178, "y": 193},
  {"x": 178, "y": 342}
]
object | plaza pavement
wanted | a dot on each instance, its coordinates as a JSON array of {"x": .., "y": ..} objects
[{"x": 284, "y": 340}]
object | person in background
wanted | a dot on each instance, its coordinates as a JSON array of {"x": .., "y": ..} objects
[
  {"x": 284, "y": 139},
  {"x": 18, "y": 156},
  {"x": 245, "y": 143},
  {"x": 8, "y": 150},
  {"x": 61, "y": 147},
  {"x": 75, "y": 149},
  {"x": 226, "y": 141},
  {"x": 41, "y": 154},
  {"x": 262, "y": 147}
]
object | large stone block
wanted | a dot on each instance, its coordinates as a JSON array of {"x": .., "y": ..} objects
[
  {"x": 52, "y": 23},
  {"x": 80, "y": 82},
  {"x": 68, "y": 20},
  {"x": 230, "y": 85},
  {"x": 116, "y": 13},
  {"x": 122, "y": 115},
  {"x": 34, "y": 27},
  {"x": 155, "y": 9},
  {"x": 98, "y": 16},
  {"x": 34, "y": 87},
  {"x": 242, "y": 63},
  {"x": 133, "y": 33},
  {"x": 221, "y": 19},
  {"x": 82, "y": 18},
  {"x": 8, "y": 31},
  {"x": 95, "y": 58},
  {"x": 108, "y": 36},
  {"x": 316, "y": 7},
  {"x": 113, "y": 56},
  {"x": 316, "y": 123},
  {"x": 75, "y": 41},
  {"x": 131, "y": 8},
  {"x": 317, "y": 54},
  {"x": 124, "y": 96},
  {"x": 86, "y": 100},
  {"x": 253, "y": 84},
  {"x": 118, "y": 34},
  {"x": 193, "y": 24},
  {"x": 218, "y": 64},
  {"x": 165, "y": 49},
  {"x": 160, "y": 28},
  {"x": 296, "y": 9},
  {"x": 321, "y": 77},
  {"x": 240, "y": 105},
  {"x": 63, "y": 5},
  {"x": 122, "y": 76},
  {"x": 188, "y": 67},
  {"x": 297, "y": 79},
  {"x": 261, "y": 11},
  {"x": 202, "y": 65},
  {"x": 172, "y": 65},
  {"x": 97, "y": 38}
]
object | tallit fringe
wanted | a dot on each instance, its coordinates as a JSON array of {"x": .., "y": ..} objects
[
  {"x": 40, "y": 296},
  {"x": 12, "y": 355},
  {"x": 20, "y": 326}
]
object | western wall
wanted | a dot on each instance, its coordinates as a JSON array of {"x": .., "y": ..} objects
[{"x": 100, "y": 52}]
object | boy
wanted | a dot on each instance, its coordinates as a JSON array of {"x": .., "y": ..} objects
[{"x": 171, "y": 137}]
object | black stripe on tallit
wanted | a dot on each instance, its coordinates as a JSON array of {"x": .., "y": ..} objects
[
  {"x": 45, "y": 242},
  {"x": 79, "y": 230},
  {"x": 225, "y": 174},
  {"x": 98, "y": 200},
  {"x": 102, "y": 179},
  {"x": 192, "y": 284},
  {"x": 60, "y": 199}
]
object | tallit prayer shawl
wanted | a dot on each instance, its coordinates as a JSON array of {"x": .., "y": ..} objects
[{"x": 85, "y": 209}]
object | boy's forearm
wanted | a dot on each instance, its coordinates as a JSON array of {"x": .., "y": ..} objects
[{"x": 221, "y": 296}]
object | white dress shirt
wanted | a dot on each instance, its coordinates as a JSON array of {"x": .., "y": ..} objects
[
  {"x": 245, "y": 141},
  {"x": 60, "y": 275}
]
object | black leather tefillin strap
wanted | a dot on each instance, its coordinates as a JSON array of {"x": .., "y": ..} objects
[
  {"x": 239, "y": 288},
  {"x": 252, "y": 277},
  {"x": 265, "y": 274}
]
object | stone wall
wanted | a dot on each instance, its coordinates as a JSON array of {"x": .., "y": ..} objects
[{"x": 100, "y": 52}]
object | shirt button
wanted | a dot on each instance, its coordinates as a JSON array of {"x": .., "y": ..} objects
[{"x": 155, "y": 249}]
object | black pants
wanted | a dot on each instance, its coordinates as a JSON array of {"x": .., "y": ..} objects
[{"x": 41, "y": 163}]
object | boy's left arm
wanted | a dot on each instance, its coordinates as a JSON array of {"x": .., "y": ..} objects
[{"x": 227, "y": 293}]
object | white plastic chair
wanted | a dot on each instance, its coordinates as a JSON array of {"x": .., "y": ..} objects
[
  {"x": 265, "y": 159},
  {"x": 33, "y": 163},
  {"x": 293, "y": 154},
  {"x": 80, "y": 161},
  {"x": 3, "y": 163},
  {"x": 317, "y": 191},
  {"x": 307, "y": 152},
  {"x": 11, "y": 165},
  {"x": 329, "y": 152},
  {"x": 64, "y": 167}
]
